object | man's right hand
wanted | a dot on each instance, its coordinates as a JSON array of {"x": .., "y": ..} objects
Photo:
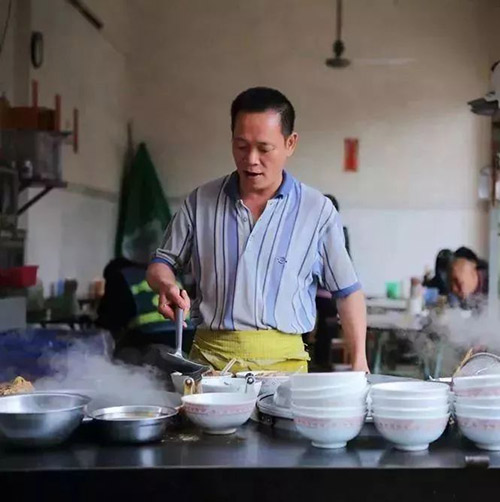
[{"x": 170, "y": 297}]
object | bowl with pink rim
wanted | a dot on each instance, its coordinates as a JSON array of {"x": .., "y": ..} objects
[
  {"x": 310, "y": 381},
  {"x": 410, "y": 389},
  {"x": 477, "y": 411},
  {"x": 411, "y": 434},
  {"x": 219, "y": 412},
  {"x": 330, "y": 392},
  {"x": 483, "y": 431},
  {"x": 430, "y": 412},
  {"x": 409, "y": 402},
  {"x": 489, "y": 401},
  {"x": 329, "y": 412},
  {"x": 329, "y": 431}
]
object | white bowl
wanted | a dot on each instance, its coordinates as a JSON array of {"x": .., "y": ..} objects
[
  {"x": 231, "y": 385},
  {"x": 476, "y": 381},
  {"x": 329, "y": 412},
  {"x": 329, "y": 432},
  {"x": 411, "y": 412},
  {"x": 477, "y": 411},
  {"x": 478, "y": 401},
  {"x": 484, "y": 432},
  {"x": 308, "y": 381},
  {"x": 411, "y": 434},
  {"x": 270, "y": 380},
  {"x": 408, "y": 402},
  {"x": 219, "y": 413},
  {"x": 410, "y": 389},
  {"x": 486, "y": 391},
  {"x": 330, "y": 392},
  {"x": 332, "y": 402}
]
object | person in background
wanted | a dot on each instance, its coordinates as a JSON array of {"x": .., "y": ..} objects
[
  {"x": 128, "y": 310},
  {"x": 468, "y": 280},
  {"x": 327, "y": 326},
  {"x": 440, "y": 281},
  {"x": 344, "y": 228}
]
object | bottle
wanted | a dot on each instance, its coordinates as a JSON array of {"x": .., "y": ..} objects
[{"x": 416, "y": 300}]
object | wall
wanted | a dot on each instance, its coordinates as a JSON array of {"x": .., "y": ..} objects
[
  {"x": 71, "y": 232},
  {"x": 415, "y": 65}
]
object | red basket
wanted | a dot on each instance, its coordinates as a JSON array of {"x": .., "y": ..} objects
[{"x": 18, "y": 277}]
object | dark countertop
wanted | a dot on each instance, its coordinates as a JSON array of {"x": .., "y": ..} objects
[{"x": 191, "y": 464}]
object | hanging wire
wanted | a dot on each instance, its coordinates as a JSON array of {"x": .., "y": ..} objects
[{"x": 6, "y": 27}]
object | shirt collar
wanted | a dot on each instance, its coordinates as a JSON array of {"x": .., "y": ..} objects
[{"x": 233, "y": 191}]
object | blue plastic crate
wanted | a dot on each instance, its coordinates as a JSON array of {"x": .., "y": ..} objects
[{"x": 29, "y": 353}]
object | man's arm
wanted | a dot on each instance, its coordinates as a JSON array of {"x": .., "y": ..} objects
[
  {"x": 171, "y": 256},
  {"x": 352, "y": 312},
  {"x": 161, "y": 279}
]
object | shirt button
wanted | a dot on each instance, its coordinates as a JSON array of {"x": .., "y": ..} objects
[{"x": 245, "y": 219}]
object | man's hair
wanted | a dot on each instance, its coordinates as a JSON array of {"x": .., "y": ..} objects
[{"x": 262, "y": 99}]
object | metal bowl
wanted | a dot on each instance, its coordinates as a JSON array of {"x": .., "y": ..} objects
[
  {"x": 133, "y": 424},
  {"x": 41, "y": 418}
]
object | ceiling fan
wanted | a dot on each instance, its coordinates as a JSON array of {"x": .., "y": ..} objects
[{"x": 338, "y": 61}]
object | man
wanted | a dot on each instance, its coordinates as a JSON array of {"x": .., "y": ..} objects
[
  {"x": 259, "y": 243},
  {"x": 468, "y": 280}
]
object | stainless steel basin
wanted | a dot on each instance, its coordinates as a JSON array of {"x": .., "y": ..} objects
[
  {"x": 133, "y": 424},
  {"x": 41, "y": 418}
]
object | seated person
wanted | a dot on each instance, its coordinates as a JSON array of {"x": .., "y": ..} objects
[
  {"x": 468, "y": 280},
  {"x": 440, "y": 280},
  {"x": 326, "y": 310},
  {"x": 129, "y": 308}
]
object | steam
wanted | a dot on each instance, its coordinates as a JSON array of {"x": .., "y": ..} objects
[
  {"x": 480, "y": 330},
  {"x": 449, "y": 335},
  {"x": 107, "y": 382}
]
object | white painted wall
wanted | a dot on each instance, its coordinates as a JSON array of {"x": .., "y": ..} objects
[
  {"x": 421, "y": 148},
  {"x": 70, "y": 233}
]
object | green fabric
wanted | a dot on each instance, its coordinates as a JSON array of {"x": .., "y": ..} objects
[{"x": 144, "y": 211}]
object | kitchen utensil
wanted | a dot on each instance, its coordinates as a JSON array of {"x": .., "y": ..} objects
[
  {"x": 230, "y": 385},
  {"x": 271, "y": 380},
  {"x": 41, "y": 418},
  {"x": 227, "y": 367},
  {"x": 482, "y": 363},
  {"x": 179, "y": 326},
  {"x": 133, "y": 424}
]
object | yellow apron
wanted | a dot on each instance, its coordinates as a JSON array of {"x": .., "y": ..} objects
[{"x": 253, "y": 350}]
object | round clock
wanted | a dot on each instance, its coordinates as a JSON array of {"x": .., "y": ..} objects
[{"x": 36, "y": 49}]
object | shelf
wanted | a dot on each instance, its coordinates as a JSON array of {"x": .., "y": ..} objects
[
  {"x": 45, "y": 185},
  {"x": 41, "y": 184}
]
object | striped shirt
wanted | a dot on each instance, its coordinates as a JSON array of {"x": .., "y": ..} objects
[{"x": 264, "y": 274}]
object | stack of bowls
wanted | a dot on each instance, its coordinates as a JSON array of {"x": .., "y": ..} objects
[
  {"x": 477, "y": 409},
  {"x": 329, "y": 408},
  {"x": 411, "y": 414}
]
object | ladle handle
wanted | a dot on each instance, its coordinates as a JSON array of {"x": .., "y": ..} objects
[{"x": 179, "y": 326}]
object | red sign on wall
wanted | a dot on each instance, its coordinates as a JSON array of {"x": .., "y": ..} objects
[{"x": 351, "y": 153}]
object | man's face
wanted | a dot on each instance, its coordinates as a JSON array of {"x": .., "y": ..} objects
[
  {"x": 260, "y": 150},
  {"x": 464, "y": 278}
]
